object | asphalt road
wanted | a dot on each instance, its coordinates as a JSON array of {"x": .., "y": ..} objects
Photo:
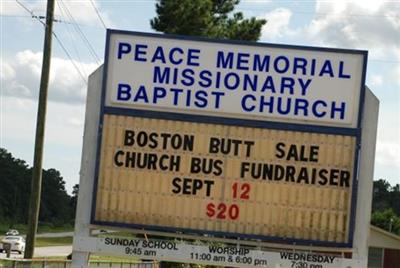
[
  {"x": 95, "y": 232},
  {"x": 44, "y": 252},
  {"x": 49, "y": 251}
]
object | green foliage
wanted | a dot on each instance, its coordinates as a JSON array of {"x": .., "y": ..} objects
[
  {"x": 385, "y": 196},
  {"x": 211, "y": 18},
  {"x": 55, "y": 207},
  {"x": 386, "y": 206},
  {"x": 55, "y": 202},
  {"x": 53, "y": 241},
  {"x": 14, "y": 190},
  {"x": 387, "y": 220}
]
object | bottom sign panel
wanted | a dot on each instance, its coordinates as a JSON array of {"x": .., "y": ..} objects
[
  {"x": 156, "y": 173},
  {"x": 212, "y": 254}
]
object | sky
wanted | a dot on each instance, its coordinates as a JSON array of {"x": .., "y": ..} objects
[{"x": 78, "y": 50}]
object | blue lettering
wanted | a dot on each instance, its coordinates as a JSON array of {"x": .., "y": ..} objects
[
  {"x": 279, "y": 68},
  {"x": 268, "y": 85},
  {"x": 313, "y": 64},
  {"x": 242, "y": 61},
  {"x": 327, "y": 69},
  {"x": 224, "y": 62},
  {"x": 301, "y": 104},
  {"x": 158, "y": 55},
  {"x": 161, "y": 77},
  {"x": 218, "y": 96},
  {"x": 304, "y": 86},
  {"x": 123, "y": 48},
  {"x": 218, "y": 80},
  {"x": 267, "y": 103},
  {"x": 280, "y": 106},
  {"x": 193, "y": 55},
  {"x": 315, "y": 108},
  {"x": 141, "y": 95},
  {"x": 175, "y": 76},
  {"x": 341, "y": 72},
  {"x": 251, "y": 82},
  {"x": 159, "y": 93},
  {"x": 171, "y": 55},
  {"x": 249, "y": 108},
  {"x": 205, "y": 79},
  {"x": 262, "y": 66},
  {"x": 287, "y": 83},
  {"x": 139, "y": 52},
  {"x": 188, "y": 98},
  {"x": 123, "y": 92},
  {"x": 187, "y": 77},
  {"x": 299, "y": 63},
  {"x": 176, "y": 92},
  {"x": 201, "y": 100},
  {"x": 236, "y": 81},
  {"x": 340, "y": 109}
]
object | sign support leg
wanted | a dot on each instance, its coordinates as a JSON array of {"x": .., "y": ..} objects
[{"x": 80, "y": 259}]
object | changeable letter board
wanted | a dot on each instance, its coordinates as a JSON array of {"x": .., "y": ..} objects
[{"x": 236, "y": 140}]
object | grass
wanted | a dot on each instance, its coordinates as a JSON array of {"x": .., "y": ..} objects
[
  {"x": 118, "y": 234},
  {"x": 96, "y": 258},
  {"x": 53, "y": 241}
]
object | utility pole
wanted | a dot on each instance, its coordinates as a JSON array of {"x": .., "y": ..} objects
[{"x": 36, "y": 185}]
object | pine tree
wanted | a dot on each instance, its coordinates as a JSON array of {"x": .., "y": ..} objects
[{"x": 211, "y": 18}]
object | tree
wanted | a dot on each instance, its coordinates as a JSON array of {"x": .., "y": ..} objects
[
  {"x": 55, "y": 202},
  {"x": 74, "y": 197},
  {"x": 380, "y": 195},
  {"x": 15, "y": 179},
  {"x": 386, "y": 206},
  {"x": 211, "y": 18},
  {"x": 385, "y": 196},
  {"x": 14, "y": 190},
  {"x": 386, "y": 219}
]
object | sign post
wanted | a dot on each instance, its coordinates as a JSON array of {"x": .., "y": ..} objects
[{"x": 236, "y": 140}]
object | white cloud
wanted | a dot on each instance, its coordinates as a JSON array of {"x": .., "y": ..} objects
[
  {"x": 388, "y": 154},
  {"x": 375, "y": 80},
  {"x": 6, "y": 71},
  {"x": 73, "y": 121},
  {"x": 277, "y": 25},
  {"x": 82, "y": 11},
  {"x": 63, "y": 137},
  {"x": 20, "y": 78},
  {"x": 363, "y": 24}
]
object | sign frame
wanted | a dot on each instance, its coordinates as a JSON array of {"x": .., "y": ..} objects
[
  {"x": 232, "y": 255},
  {"x": 355, "y": 132}
]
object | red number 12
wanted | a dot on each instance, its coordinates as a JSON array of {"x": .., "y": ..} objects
[{"x": 244, "y": 189}]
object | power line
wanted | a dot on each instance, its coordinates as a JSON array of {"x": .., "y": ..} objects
[
  {"x": 69, "y": 56},
  {"x": 72, "y": 41},
  {"x": 92, "y": 51},
  {"x": 98, "y": 14},
  {"x": 30, "y": 12},
  {"x": 43, "y": 17},
  {"x": 58, "y": 40},
  {"x": 83, "y": 36},
  {"x": 15, "y": 16}
]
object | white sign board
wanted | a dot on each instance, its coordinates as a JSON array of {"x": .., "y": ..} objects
[
  {"x": 313, "y": 86},
  {"x": 221, "y": 255},
  {"x": 279, "y": 87}
]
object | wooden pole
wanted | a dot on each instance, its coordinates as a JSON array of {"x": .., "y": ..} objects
[{"x": 36, "y": 185}]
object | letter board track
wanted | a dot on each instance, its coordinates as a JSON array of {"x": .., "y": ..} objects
[
  {"x": 228, "y": 179},
  {"x": 236, "y": 140}
]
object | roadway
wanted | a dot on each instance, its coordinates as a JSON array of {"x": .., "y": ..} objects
[{"x": 55, "y": 251}]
